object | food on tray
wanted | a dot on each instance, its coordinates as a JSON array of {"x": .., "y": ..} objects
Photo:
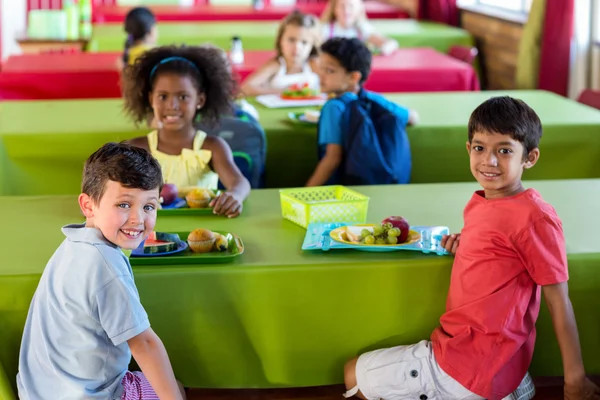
[
  {"x": 221, "y": 242},
  {"x": 383, "y": 234},
  {"x": 159, "y": 242},
  {"x": 168, "y": 194},
  {"x": 199, "y": 198},
  {"x": 300, "y": 92},
  {"x": 312, "y": 115},
  {"x": 201, "y": 240},
  {"x": 401, "y": 224}
]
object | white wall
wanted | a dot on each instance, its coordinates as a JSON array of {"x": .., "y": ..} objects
[{"x": 14, "y": 14}]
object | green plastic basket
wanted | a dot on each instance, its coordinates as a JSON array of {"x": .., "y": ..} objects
[{"x": 323, "y": 204}]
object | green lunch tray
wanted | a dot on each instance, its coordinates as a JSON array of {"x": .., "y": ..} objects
[
  {"x": 184, "y": 211},
  {"x": 235, "y": 249}
]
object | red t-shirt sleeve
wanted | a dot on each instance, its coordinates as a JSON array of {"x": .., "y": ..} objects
[{"x": 541, "y": 247}]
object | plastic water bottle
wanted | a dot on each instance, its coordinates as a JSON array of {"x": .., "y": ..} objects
[{"x": 236, "y": 55}]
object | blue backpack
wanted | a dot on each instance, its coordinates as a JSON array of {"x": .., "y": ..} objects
[
  {"x": 375, "y": 144},
  {"x": 244, "y": 134}
]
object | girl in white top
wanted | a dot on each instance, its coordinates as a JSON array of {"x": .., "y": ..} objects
[
  {"x": 297, "y": 46},
  {"x": 348, "y": 18}
]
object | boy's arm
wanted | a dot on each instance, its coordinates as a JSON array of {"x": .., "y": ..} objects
[
  {"x": 330, "y": 136},
  {"x": 327, "y": 166},
  {"x": 151, "y": 356},
  {"x": 577, "y": 386}
]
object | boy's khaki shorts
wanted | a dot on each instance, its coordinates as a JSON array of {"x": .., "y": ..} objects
[{"x": 411, "y": 372}]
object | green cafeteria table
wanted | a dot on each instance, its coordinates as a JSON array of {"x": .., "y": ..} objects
[
  {"x": 260, "y": 35},
  {"x": 43, "y": 144},
  {"x": 281, "y": 317}
]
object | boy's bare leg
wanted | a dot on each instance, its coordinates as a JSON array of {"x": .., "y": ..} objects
[{"x": 350, "y": 377}]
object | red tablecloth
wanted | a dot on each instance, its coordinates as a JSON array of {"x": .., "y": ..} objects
[
  {"x": 407, "y": 70},
  {"x": 60, "y": 76},
  {"x": 103, "y": 14},
  {"x": 96, "y": 75}
]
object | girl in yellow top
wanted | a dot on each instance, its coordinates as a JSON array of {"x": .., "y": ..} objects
[
  {"x": 177, "y": 85},
  {"x": 142, "y": 33}
]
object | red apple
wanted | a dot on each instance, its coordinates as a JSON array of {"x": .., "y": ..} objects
[
  {"x": 400, "y": 223},
  {"x": 168, "y": 194}
]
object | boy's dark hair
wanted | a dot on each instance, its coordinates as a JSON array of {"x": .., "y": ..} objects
[
  {"x": 138, "y": 23},
  {"x": 205, "y": 66},
  {"x": 352, "y": 54},
  {"x": 507, "y": 116},
  {"x": 131, "y": 166}
]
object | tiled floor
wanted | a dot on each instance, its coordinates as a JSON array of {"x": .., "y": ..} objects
[{"x": 546, "y": 389}]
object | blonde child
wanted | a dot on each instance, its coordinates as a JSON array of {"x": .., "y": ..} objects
[
  {"x": 348, "y": 19},
  {"x": 297, "y": 45},
  {"x": 177, "y": 86}
]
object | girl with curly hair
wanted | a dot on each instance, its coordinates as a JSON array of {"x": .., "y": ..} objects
[{"x": 177, "y": 86}]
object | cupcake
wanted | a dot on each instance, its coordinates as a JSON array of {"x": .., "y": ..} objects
[
  {"x": 201, "y": 240},
  {"x": 198, "y": 198}
]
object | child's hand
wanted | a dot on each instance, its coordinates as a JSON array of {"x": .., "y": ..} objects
[
  {"x": 583, "y": 390},
  {"x": 227, "y": 203},
  {"x": 451, "y": 242}
]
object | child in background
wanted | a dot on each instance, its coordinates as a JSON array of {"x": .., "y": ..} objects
[
  {"x": 142, "y": 33},
  {"x": 345, "y": 65},
  {"x": 177, "y": 85},
  {"x": 297, "y": 46},
  {"x": 348, "y": 18},
  {"x": 510, "y": 251},
  {"x": 86, "y": 320}
]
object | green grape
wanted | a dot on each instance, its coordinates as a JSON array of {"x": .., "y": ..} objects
[
  {"x": 380, "y": 241},
  {"x": 365, "y": 232},
  {"x": 377, "y": 230},
  {"x": 370, "y": 239},
  {"x": 395, "y": 232},
  {"x": 387, "y": 226},
  {"x": 392, "y": 240}
]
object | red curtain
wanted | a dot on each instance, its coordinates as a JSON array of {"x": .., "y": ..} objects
[
  {"x": 444, "y": 11},
  {"x": 556, "y": 46}
]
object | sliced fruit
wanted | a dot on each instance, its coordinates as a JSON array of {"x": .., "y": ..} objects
[
  {"x": 158, "y": 246},
  {"x": 221, "y": 243},
  {"x": 164, "y": 237}
]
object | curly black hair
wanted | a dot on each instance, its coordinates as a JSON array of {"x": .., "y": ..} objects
[
  {"x": 207, "y": 68},
  {"x": 352, "y": 54}
]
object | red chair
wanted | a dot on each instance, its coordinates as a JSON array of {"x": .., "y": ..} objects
[
  {"x": 590, "y": 97},
  {"x": 463, "y": 53}
]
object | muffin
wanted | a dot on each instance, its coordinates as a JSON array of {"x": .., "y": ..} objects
[
  {"x": 201, "y": 240},
  {"x": 198, "y": 198}
]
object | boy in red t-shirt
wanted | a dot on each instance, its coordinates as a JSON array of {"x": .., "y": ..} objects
[{"x": 511, "y": 249}]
